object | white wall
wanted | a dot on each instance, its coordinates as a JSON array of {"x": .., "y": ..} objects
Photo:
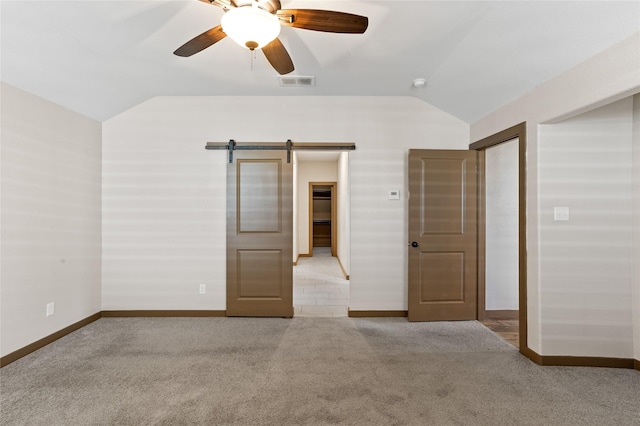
[
  {"x": 344, "y": 212},
  {"x": 501, "y": 181},
  {"x": 164, "y": 195},
  {"x": 51, "y": 162},
  {"x": 295, "y": 248},
  {"x": 585, "y": 273},
  {"x": 311, "y": 171},
  {"x": 636, "y": 225},
  {"x": 164, "y": 209},
  {"x": 607, "y": 77}
]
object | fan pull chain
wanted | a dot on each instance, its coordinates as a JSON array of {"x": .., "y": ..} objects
[{"x": 253, "y": 56}]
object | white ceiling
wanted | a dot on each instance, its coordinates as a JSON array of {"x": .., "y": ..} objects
[
  {"x": 100, "y": 58},
  {"x": 317, "y": 156}
]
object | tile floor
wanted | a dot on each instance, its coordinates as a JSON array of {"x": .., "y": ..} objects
[{"x": 319, "y": 287}]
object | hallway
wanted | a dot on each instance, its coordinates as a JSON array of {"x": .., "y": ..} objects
[{"x": 319, "y": 287}]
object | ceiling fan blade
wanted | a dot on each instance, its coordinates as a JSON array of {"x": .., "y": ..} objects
[
  {"x": 278, "y": 57},
  {"x": 201, "y": 42},
  {"x": 323, "y": 20}
]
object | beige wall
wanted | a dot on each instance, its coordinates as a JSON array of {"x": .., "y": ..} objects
[
  {"x": 344, "y": 212},
  {"x": 607, "y": 77},
  {"x": 295, "y": 248},
  {"x": 50, "y": 225},
  {"x": 636, "y": 224},
  {"x": 501, "y": 206},
  {"x": 164, "y": 194},
  {"x": 586, "y": 262}
]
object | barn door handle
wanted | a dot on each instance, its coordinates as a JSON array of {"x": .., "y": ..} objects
[{"x": 415, "y": 244}]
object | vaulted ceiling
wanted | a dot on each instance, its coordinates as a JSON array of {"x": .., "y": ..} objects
[{"x": 100, "y": 58}]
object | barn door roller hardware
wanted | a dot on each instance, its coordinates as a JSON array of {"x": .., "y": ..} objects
[{"x": 289, "y": 146}]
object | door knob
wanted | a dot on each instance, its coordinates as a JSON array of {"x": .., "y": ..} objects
[{"x": 414, "y": 244}]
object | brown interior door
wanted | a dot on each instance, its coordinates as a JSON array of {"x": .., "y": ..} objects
[
  {"x": 259, "y": 234},
  {"x": 442, "y": 235}
]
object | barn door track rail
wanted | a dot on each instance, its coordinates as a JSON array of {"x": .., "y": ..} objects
[{"x": 288, "y": 146}]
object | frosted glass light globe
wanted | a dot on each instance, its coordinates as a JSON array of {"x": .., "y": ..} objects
[{"x": 250, "y": 27}]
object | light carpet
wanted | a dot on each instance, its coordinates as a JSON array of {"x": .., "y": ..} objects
[{"x": 303, "y": 371}]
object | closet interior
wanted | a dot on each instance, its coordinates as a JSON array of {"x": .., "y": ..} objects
[{"x": 322, "y": 215}]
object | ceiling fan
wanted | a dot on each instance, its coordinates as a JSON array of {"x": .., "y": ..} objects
[{"x": 255, "y": 24}]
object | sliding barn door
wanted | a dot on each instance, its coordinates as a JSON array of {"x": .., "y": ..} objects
[
  {"x": 259, "y": 234},
  {"x": 442, "y": 235}
]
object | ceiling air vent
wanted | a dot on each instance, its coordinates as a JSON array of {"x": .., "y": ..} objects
[{"x": 297, "y": 81}]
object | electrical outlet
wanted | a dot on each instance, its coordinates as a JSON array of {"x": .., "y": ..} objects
[
  {"x": 203, "y": 288},
  {"x": 49, "y": 309}
]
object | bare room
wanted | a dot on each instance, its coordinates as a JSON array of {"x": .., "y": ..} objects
[{"x": 385, "y": 212}]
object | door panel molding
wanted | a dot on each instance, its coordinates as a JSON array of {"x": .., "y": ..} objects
[
  {"x": 446, "y": 270},
  {"x": 438, "y": 174},
  {"x": 259, "y": 196},
  {"x": 253, "y": 283}
]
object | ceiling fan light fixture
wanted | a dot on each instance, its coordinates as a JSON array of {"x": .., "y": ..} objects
[{"x": 251, "y": 27}]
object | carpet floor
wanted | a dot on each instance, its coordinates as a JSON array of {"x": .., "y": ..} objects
[{"x": 303, "y": 371}]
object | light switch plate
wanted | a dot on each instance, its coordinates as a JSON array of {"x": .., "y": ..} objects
[
  {"x": 561, "y": 214},
  {"x": 394, "y": 194}
]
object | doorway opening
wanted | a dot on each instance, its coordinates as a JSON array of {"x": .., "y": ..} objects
[
  {"x": 518, "y": 131},
  {"x": 321, "y": 232},
  {"x": 262, "y": 234},
  {"x": 501, "y": 240},
  {"x": 322, "y": 216}
]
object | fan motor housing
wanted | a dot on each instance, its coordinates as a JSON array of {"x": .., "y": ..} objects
[{"x": 271, "y": 6}]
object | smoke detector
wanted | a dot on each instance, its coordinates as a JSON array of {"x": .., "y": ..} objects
[{"x": 419, "y": 83}]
